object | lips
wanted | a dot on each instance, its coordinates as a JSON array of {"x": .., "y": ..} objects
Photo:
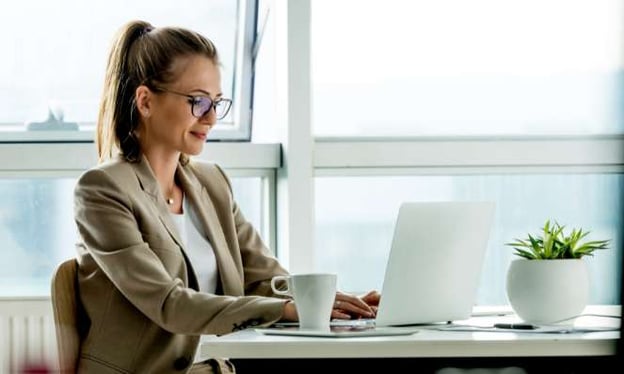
[{"x": 199, "y": 135}]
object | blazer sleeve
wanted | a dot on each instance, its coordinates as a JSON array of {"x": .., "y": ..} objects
[
  {"x": 259, "y": 265},
  {"x": 110, "y": 233}
]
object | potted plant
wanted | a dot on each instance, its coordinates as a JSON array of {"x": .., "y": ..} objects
[{"x": 550, "y": 283}]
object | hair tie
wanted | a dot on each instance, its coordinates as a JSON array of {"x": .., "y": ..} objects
[{"x": 146, "y": 30}]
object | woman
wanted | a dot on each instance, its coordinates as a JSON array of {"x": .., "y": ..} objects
[{"x": 165, "y": 253}]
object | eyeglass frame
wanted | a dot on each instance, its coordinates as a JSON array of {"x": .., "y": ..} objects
[{"x": 192, "y": 100}]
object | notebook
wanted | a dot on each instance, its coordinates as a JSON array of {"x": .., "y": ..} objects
[{"x": 434, "y": 266}]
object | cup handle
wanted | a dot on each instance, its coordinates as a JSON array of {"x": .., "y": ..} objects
[{"x": 278, "y": 291}]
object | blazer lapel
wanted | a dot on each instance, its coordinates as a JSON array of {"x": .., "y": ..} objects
[
  {"x": 207, "y": 215},
  {"x": 152, "y": 189}
]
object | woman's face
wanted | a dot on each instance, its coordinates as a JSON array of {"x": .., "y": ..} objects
[{"x": 170, "y": 125}]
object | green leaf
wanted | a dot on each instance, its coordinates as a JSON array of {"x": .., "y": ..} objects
[
  {"x": 525, "y": 254},
  {"x": 555, "y": 244}
]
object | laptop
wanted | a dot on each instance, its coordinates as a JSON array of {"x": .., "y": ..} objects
[
  {"x": 435, "y": 262},
  {"x": 434, "y": 265}
]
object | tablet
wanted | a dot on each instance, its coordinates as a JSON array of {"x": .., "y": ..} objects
[
  {"x": 360, "y": 322},
  {"x": 339, "y": 331}
]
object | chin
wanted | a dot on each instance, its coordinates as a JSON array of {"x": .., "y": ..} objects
[{"x": 194, "y": 151}]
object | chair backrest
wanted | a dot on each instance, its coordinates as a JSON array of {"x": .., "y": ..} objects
[{"x": 69, "y": 316}]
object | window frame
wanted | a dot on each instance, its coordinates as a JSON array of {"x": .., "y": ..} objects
[
  {"x": 239, "y": 129},
  {"x": 390, "y": 156},
  {"x": 70, "y": 160},
  {"x": 485, "y": 155}
]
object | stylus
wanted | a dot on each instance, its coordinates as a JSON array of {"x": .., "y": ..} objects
[{"x": 515, "y": 326}]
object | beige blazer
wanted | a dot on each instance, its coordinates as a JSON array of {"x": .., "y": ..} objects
[{"x": 136, "y": 283}]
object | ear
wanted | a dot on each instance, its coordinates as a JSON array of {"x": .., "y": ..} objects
[{"x": 143, "y": 97}]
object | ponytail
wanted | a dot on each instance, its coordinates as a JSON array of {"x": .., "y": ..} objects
[{"x": 139, "y": 55}]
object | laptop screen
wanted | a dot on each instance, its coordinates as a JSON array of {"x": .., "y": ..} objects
[{"x": 435, "y": 262}]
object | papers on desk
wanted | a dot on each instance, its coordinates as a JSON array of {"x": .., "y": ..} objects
[
  {"x": 340, "y": 331},
  {"x": 552, "y": 329},
  {"x": 604, "y": 320}
]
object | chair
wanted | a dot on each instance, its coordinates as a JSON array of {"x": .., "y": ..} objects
[{"x": 70, "y": 319}]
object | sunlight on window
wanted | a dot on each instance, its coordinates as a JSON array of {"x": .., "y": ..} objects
[
  {"x": 355, "y": 219},
  {"x": 456, "y": 67},
  {"x": 37, "y": 228},
  {"x": 55, "y": 51}
]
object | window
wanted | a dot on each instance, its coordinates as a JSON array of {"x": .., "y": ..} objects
[
  {"x": 37, "y": 228},
  {"x": 55, "y": 53},
  {"x": 518, "y": 102},
  {"x": 355, "y": 218},
  {"x": 479, "y": 67},
  {"x": 55, "y": 58}
]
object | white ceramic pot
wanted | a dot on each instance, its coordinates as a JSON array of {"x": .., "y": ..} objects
[{"x": 547, "y": 291}]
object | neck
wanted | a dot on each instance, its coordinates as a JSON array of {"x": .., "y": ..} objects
[{"x": 164, "y": 169}]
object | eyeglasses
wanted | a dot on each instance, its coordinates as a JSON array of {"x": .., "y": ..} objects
[{"x": 201, "y": 104}]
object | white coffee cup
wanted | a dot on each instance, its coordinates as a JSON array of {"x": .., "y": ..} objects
[{"x": 314, "y": 296}]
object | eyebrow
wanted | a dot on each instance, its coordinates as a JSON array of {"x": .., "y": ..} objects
[{"x": 206, "y": 92}]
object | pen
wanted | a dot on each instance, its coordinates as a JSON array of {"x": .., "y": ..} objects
[{"x": 516, "y": 326}]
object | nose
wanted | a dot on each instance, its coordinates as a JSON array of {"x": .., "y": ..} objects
[{"x": 210, "y": 117}]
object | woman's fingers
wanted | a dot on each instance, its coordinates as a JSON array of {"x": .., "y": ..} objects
[
  {"x": 340, "y": 314},
  {"x": 371, "y": 298},
  {"x": 352, "y": 305}
]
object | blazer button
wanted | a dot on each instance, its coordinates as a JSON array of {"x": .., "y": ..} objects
[{"x": 181, "y": 363}]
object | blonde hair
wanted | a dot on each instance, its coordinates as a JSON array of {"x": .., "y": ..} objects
[{"x": 140, "y": 55}]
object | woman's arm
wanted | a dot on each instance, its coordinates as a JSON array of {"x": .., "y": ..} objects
[
  {"x": 108, "y": 222},
  {"x": 259, "y": 264}
]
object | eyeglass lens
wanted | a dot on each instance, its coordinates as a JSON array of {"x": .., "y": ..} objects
[{"x": 203, "y": 104}]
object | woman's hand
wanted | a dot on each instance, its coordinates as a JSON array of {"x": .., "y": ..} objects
[
  {"x": 290, "y": 312},
  {"x": 347, "y": 306},
  {"x": 372, "y": 299}
]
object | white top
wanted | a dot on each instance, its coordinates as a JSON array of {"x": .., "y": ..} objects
[{"x": 197, "y": 248}]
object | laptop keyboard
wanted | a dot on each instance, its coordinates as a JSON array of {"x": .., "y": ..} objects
[{"x": 353, "y": 322}]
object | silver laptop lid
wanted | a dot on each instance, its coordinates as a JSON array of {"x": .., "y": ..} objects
[{"x": 435, "y": 262}]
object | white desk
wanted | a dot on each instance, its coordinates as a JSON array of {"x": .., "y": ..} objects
[
  {"x": 426, "y": 343},
  {"x": 248, "y": 344}
]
